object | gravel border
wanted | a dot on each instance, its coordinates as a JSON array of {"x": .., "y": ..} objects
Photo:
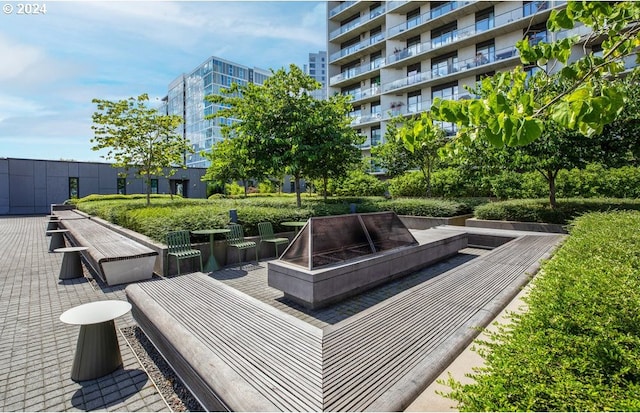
[{"x": 175, "y": 394}]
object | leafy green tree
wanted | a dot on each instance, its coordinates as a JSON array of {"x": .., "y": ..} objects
[
  {"x": 139, "y": 137},
  {"x": 334, "y": 151},
  {"x": 421, "y": 142},
  {"x": 508, "y": 112},
  {"x": 228, "y": 163},
  {"x": 280, "y": 126}
]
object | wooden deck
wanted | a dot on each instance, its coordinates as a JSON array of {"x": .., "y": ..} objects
[{"x": 239, "y": 353}]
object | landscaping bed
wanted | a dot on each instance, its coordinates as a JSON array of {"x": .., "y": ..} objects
[{"x": 577, "y": 348}]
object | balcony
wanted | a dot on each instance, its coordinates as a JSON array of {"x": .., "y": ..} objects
[
  {"x": 424, "y": 18},
  {"x": 454, "y": 36},
  {"x": 356, "y": 47},
  {"x": 359, "y": 94},
  {"x": 356, "y": 71},
  {"x": 360, "y": 120},
  {"x": 482, "y": 62},
  {"x": 341, "y": 7},
  {"x": 357, "y": 22}
]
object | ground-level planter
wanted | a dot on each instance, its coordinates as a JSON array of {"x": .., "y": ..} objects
[
  {"x": 516, "y": 225},
  {"x": 415, "y": 222}
]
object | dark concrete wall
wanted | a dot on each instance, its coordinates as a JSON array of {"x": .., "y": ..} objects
[{"x": 29, "y": 186}]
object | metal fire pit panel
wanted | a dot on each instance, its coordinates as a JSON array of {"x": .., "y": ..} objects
[{"x": 331, "y": 240}]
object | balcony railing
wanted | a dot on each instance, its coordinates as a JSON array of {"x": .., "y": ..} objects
[
  {"x": 357, "y": 120},
  {"x": 436, "y": 72},
  {"x": 454, "y": 36},
  {"x": 358, "y": 94},
  {"x": 358, "y": 22},
  {"x": 431, "y": 14},
  {"x": 355, "y": 71},
  {"x": 357, "y": 47},
  {"x": 341, "y": 7}
]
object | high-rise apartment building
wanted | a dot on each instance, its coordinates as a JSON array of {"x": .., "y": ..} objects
[
  {"x": 395, "y": 57},
  {"x": 318, "y": 68},
  {"x": 186, "y": 97}
]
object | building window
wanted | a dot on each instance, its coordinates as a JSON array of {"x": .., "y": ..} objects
[
  {"x": 532, "y": 7},
  {"x": 74, "y": 187},
  {"x": 536, "y": 34},
  {"x": 376, "y": 110},
  {"x": 413, "y": 46},
  {"x": 413, "y": 73},
  {"x": 485, "y": 53},
  {"x": 154, "y": 186},
  {"x": 413, "y": 18},
  {"x": 414, "y": 102},
  {"x": 444, "y": 65},
  {"x": 122, "y": 186},
  {"x": 376, "y": 136},
  {"x": 484, "y": 20},
  {"x": 443, "y": 35},
  {"x": 448, "y": 91},
  {"x": 376, "y": 60}
]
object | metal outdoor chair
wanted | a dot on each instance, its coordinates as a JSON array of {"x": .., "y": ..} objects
[
  {"x": 266, "y": 235},
  {"x": 235, "y": 239},
  {"x": 179, "y": 245}
]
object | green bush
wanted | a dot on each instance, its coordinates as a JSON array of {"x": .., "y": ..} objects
[
  {"x": 597, "y": 181},
  {"x": 577, "y": 348},
  {"x": 410, "y": 184},
  {"x": 539, "y": 210},
  {"x": 360, "y": 184},
  {"x": 424, "y": 207},
  {"x": 510, "y": 185}
]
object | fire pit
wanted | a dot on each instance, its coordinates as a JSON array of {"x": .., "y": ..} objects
[{"x": 335, "y": 257}]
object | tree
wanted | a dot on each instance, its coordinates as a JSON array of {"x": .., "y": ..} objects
[
  {"x": 280, "y": 126},
  {"x": 421, "y": 141},
  {"x": 229, "y": 163},
  {"x": 508, "y": 112},
  {"x": 139, "y": 137},
  {"x": 334, "y": 151}
]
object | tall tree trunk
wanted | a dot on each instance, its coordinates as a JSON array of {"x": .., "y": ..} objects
[
  {"x": 551, "y": 178},
  {"x": 148, "y": 189},
  {"x": 325, "y": 183},
  {"x": 296, "y": 181}
]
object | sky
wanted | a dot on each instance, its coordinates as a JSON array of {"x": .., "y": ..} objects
[{"x": 54, "y": 64}]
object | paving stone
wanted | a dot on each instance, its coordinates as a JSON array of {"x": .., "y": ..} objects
[{"x": 37, "y": 350}]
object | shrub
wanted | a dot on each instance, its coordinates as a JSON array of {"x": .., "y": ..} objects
[
  {"x": 424, "y": 207},
  {"x": 410, "y": 184},
  {"x": 233, "y": 189},
  {"x": 361, "y": 184},
  {"x": 577, "y": 348},
  {"x": 509, "y": 185},
  {"x": 539, "y": 210}
]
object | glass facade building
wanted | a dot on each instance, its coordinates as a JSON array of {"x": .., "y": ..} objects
[
  {"x": 317, "y": 68},
  {"x": 186, "y": 97}
]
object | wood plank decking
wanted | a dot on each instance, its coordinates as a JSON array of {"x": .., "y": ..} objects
[{"x": 248, "y": 355}]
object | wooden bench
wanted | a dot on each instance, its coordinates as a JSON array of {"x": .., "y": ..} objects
[
  {"x": 237, "y": 353},
  {"x": 114, "y": 257}
]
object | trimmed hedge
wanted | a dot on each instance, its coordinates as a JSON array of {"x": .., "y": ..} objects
[
  {"x": 166, "y": 215},
  {"x": 577, "y": 347},
  {"x": 539, "y": 210}
]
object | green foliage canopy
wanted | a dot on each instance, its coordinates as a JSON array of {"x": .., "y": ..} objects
[{"x": 139, "y": 137}]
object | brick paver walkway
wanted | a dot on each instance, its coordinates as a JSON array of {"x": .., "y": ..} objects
[{"x": 37, "y": 349}]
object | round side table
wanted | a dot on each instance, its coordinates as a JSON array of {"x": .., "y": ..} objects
[
  {"x": 71, "y": 263},
  {"x": 57, "y": 239},
  {"x": 97, "y": 351}
]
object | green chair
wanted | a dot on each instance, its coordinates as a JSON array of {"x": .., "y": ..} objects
[
  {"x": 266, "y": 235},
  {"x": 235, "y": 239},
  {"x": 179, "y": 245}
]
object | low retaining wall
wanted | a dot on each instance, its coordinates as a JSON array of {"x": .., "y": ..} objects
[
  {"x": 414, "y": 222},
  {"x": 516, "y": 225}
]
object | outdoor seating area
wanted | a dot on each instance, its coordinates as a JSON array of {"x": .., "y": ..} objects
[
  {"x": 267, "y": 358},
  {"x": 116, "y": 258},
  {"x": 267, "y": 352}
]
